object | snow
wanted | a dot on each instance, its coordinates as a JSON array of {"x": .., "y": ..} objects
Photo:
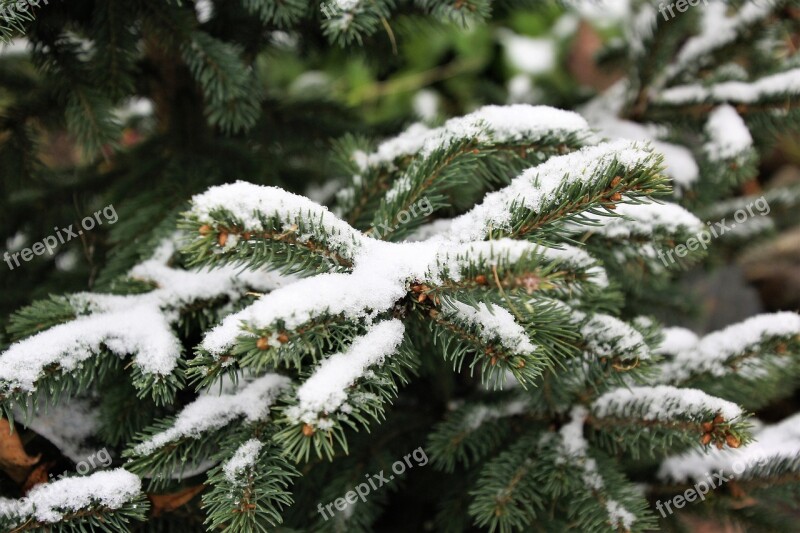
[
  {"x": 676, "y": 340},
  {"x": 528, "y": 54},
  {"x": 19, "y": 45},
  {"x": 493, "y": 323},
  {"x": 426, "y": 105},
  {"x": 775, "y": 442},
  {"x": 736, "y": 92},
  {"x": 204, "y": 9},
  {"x": 378, "y": 280},
  {"x": 208, "y": 413},
  {"x": 575, "y": 450},
  {"x": 678, "y": 160},
  {"x": 572, "y": 433},
  {"x": 604, "y": 13},
  {"x": 326, "y": 389},
  {"x": 452, "y": 258},
  {"x": 718, "y": 30},
  {"x": 642, "y": 220},
  {"x": 243, "y": 459},
  {"x": 537, "y": 186},
  {"x": 662, "y": 403},
  {"x": 140, "y": 324},
  {"x": 610, "y": 337},
  {"x": 727, "y": 133},
  {"x": 521, "y": 90},
  {"x": 250, "y": 203},
  {"x": 620, "y": 517},
  {"x": 70, "y": 439},
  {"x": 489, "y": 124},
  {"x": 140, "y": 330},
  {"x": 481, "y": 413},
  {"x": 49, "y": 502},
  {"x": 711, "y": 353}
]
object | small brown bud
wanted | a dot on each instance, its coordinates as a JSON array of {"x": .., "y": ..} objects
[
  {"x": 422, "y": 297},
  {"x": 494, "y": 360},
  {"x": 719, "y": 419},
  {"x": 262, "y": 343},
  {"x": 616, "y": 181},
  {"x": 705, "y": 439},
  {"x": 205, "y": 229},
  {"x": 521, "y": 363},
  {"x": 610, "y": 206},
  {"x": 433, "y": 313},
  {"x": 732, "y": 441},
  {"x": 480, "y": 279},
  {"x": 719, "y": 444},
  {"x": 308, "y": 430},
  {"x": 707, "y": 427},
  {"x": 616, "y": 197},
  {"x": 283, "y": 338},
  {"x": 222, "y": 238},
  {"x": 246, "y": 235}
]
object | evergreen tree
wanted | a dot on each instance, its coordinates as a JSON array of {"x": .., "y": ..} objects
[{"x": 469, "y": 336}]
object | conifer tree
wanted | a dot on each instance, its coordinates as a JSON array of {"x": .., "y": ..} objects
[{"x": 477, "y": 303}]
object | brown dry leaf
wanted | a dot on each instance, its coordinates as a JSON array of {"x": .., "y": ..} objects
[
  {"x": 164, "y": 503},
  {"x": 13, "y": 458},
  {"x": 37, "y": 476}
]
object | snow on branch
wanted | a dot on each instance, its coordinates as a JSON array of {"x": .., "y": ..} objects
[
  {"x": 493, "y": 323},
  {"x": 140, "y": 324},
  {"x": 717, "y": 31},
  {"x": 641, "y": 220},
  {"x": 51, "y": 502},
  {"x": 712, "y": 354},
  {"x": 256, "y": 207},
  {"x": 728, "y": 135},
  {"x": 607, "y": 336},
  {"x": 251, "y": 401},
  {"x": 603, "y": 113},
  {"x": 662, "y": 403},
  {"x": 734, "y": 92},
  {"x": 453, "y": 259},
  {"x": 676, "y": 340},
  {"x": 488, "y": 125},
  {"x": 574, "y": 448},
  {"x": 325, "y": 391},
  {"x": 773, "y": 443},
  {"x": 242, "y": 460},
  {"x": 538, "y": 187}
]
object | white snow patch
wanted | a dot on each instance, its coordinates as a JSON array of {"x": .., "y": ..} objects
[
  {"x": 662, "y": 403},
  {"x": 493, "y": 323},
  {"x": 207, "y": 413},
  {"x": 49, "y": 502},
  {"x": 326, "y": 389},
  {"x": 728, "y": 136},
  {"x": 243, "y": 459},
  {"x": 542, "y": 184}
]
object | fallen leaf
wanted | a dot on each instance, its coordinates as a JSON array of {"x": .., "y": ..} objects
[
  {"x": 164, "y": 503},
  {"x": 13, "y": 458}
]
